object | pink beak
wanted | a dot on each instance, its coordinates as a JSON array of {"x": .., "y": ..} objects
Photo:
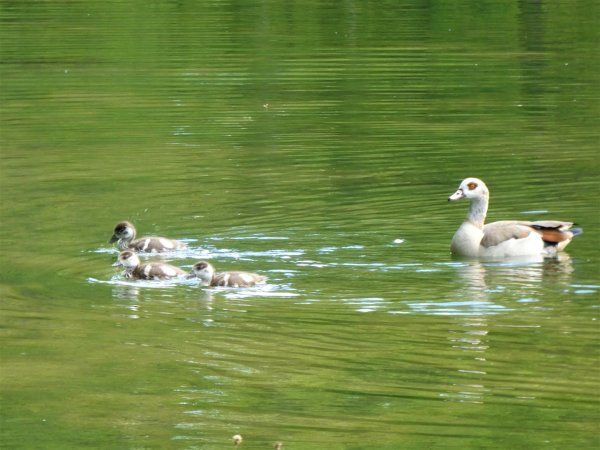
[{"x": 457, "y": 195}]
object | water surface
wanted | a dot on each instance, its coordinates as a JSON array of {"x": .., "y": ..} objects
[{"x": 315, "y": 143}]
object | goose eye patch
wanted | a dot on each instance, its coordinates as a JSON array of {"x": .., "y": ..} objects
[{"x": 472, "y": 186}]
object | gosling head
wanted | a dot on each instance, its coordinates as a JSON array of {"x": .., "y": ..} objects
[
  {"x": 202, "y": 270},
  {"x": 128, "y": 259}
]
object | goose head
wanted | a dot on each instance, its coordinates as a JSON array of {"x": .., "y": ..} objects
[{"x": 471, "y": 188}]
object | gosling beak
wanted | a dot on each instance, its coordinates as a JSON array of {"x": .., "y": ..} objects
[
  {"x": 114, "y": 238},
  {"x": 190, "y": 276},
  {"x": 117, "y": 264},
  {"x": 457, "y": 195}
]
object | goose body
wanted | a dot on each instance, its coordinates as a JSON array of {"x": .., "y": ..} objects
[
  {"x": 206, "y": 273},
  {"x": 149, "y": 271},
  {"x": 505, "y": 238},
  {"x": 124, "y": 234}
]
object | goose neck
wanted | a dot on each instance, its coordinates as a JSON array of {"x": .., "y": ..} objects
[{"x": 478, "y": 211}]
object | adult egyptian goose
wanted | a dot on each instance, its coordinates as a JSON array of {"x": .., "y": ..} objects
[
  {"x": 206, "y": 273},
  {"x": 149, "y": 271},
  {"x": 124, "y": 235},
  {"x": 508, "y": 237}
]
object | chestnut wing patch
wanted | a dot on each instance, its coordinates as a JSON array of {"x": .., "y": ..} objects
[{"x": 553, "y": 231}]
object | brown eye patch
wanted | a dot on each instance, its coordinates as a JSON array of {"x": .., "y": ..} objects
[{"x": 472, "y": 186}]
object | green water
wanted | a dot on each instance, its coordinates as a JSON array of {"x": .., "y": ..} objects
[{"x": 316, "y": 143}]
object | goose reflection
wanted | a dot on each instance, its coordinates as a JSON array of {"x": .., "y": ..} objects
[
  {"x": 481, "y": 280},
  {"x": 472, "y": 343},
  {"x": 489, "y": 285}
]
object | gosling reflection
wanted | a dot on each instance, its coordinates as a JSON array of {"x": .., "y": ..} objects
[
  {"x": 125, "y": 292},
  {"x": 138, "y": 303}
]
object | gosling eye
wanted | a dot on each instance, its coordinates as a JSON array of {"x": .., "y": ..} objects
[{"x": 472, "y": 186}]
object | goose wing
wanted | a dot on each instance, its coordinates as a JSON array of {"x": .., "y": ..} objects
[
  {"x": 551, "y": 231},
  {"x": 496, "y": 233}
]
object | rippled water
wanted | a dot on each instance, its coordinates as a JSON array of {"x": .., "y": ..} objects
[{"x": 315, "y": 143}]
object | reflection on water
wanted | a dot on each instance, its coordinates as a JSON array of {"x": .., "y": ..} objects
[
  {"x": 521, "y": 276},
  {"x": 471, "y": 341},
  {"x": 469, "y": 307},
  {"x": 481, "y": 287},
  {"x": 392, "y": 335}
]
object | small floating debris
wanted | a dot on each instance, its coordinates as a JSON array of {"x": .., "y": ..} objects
[
  {"x": 237, "y": 439},
  {"x": 398, "y": 241}
]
